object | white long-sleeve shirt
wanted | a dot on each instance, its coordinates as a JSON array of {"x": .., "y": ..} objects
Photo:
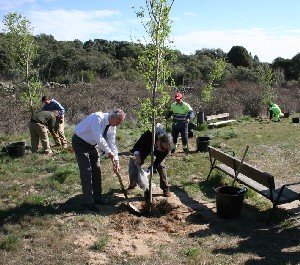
[{"x": 91, "y": 130}]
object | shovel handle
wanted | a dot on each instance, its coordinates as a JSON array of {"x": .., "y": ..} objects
[{"x": 122, "y": 185}]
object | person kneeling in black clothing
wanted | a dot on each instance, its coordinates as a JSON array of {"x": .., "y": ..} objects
[{"x": 141, "y": 150}]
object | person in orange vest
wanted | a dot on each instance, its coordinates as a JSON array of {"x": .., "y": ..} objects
[{"x": 182, "y": 113}]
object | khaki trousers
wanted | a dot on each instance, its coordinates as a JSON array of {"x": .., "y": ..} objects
[
  {"x": 59, "y": 129},
  {"x": 39, "y": 132}
]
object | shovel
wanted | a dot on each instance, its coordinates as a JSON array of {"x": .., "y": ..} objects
[{"x": 129, "y": 204}]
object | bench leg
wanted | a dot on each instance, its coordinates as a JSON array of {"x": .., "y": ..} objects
[
  {"x": 212, "y": 162},
  {"x": 211, "y": 169}
]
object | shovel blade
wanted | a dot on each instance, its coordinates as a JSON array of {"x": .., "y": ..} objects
[{"x": 133, "y": 208}]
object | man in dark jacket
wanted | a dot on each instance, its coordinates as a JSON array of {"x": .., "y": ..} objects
[
  {"x": 39, "y": 125},
  {"x": 140, "y": 151}
]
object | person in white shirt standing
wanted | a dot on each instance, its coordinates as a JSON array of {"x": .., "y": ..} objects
[{"x": 96, "y": 133}]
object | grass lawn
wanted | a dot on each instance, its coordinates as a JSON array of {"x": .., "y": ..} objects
[{"x": 42, "y": 220}]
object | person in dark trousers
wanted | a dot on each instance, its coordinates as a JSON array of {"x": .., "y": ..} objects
[
  {"x": 142, "y": 149},
  {"x": 182, "y": 113},
  {"x": 39, "y": 125},
  {"x": 59, "y": 128},
  {"x": 93, "y": 135}
]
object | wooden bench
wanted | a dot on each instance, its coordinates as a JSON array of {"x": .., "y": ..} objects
[
  {"x": 218, "y": 120},
  {"x": 262, "y": 182}
]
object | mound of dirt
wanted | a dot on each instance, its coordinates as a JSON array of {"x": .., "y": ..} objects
[{"x": 136, "y": 236}]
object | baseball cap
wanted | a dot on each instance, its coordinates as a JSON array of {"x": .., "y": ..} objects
[{"x": 178, "y": 95}]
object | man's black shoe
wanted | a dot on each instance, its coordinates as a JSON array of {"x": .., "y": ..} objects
[{"x": 92, "y": 207}]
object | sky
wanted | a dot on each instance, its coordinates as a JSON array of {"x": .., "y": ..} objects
[{"x": 266, "y": 28}]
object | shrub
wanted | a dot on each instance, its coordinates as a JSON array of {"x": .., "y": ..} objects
[
  {"x": 100, "y": 243},
  {"x": 9, "y": 242}
]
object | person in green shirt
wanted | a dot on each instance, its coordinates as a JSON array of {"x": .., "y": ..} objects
[
  {"x": 39, "y": 125},
  {"x": 182, "y": 113},
  {"x": 275, "y": 112}
]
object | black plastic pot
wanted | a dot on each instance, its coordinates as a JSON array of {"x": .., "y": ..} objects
[
  {"x": 16, "y": 149},
  {"x": 202, "y": 144},
  {"x": 295, "y": 120},
  {"x": 229, "y": 201}
]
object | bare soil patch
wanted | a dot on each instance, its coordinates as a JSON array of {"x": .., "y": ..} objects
[{"x": 133, "y": 236}]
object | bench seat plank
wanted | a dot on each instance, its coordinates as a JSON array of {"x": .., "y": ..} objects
[
  {"x": 255, "y": 174},
  {"x": 217, "y": 116},
  {"x": 288, "y": 195},
  {"x": 219, "y": 123},
  {"x": 245, "y": 180},
  {"x": 261, "y": 182}
]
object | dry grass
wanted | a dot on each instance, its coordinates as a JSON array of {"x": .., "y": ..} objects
[{"x": 42, "y": 220}]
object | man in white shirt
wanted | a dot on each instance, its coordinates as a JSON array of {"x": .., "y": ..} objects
[{"x": 96, "y": 133}]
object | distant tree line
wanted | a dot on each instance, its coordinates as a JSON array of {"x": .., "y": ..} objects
[{"x": 76, "y": 61}]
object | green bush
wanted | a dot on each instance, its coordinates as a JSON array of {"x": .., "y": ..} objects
[
  {"x": 190, "y": 252},
  {"x": 9, "y": 242},
  {"x": 100, "y": 243},
  {"x": 33, "y": 199}
]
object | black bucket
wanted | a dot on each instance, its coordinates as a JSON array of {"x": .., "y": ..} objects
[
  {"x": 295, "y": 120},
  {"x": 202, "y": 144},
  {"x": 229, "y": 200},
  {"x": 16, "y": 149}
]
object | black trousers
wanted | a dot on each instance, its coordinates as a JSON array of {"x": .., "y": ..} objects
[
  {"x": 179, "y": 127},
  {"x": 89, "y": 166}
]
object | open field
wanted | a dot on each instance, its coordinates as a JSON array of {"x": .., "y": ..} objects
[{"x": 42, "y": 220}]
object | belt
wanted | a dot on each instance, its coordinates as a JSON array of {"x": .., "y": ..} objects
[{"x": 83, "y": 141}]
